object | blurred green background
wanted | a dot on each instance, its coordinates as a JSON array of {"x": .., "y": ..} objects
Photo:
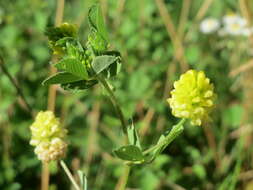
[{"x": 215, "y": 156}]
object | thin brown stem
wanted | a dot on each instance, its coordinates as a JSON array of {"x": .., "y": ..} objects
[
  {"x": 177, "y": 43},
  {"x": 45, "y": 177},
  {"x": 203, "y": 9},
  {"x": 183, "y": 17},
  {"x": 52, "y": 88},
  {"x": 241, "y": 69},
  {"x": 121, "y": 185},
  {"x": 14, "y": 82},
  {"x": 200, "y": 14},
  {"x": 52, "y": 94}
]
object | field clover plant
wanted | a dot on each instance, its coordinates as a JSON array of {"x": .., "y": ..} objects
[{"x": 81, "y": 66}]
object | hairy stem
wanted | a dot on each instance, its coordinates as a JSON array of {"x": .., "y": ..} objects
[{"x": 114, "y": 102}]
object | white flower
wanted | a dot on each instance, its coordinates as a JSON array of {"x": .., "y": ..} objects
[
  {"x": 233, "y": 18},
  {"x": 209, "y": 25},
  {"x": 234, "y": 25}
]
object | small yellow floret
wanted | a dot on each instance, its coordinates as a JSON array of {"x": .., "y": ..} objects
[
  {"x": 48, "y": 137},
  {"x": 193, "y": 97}
]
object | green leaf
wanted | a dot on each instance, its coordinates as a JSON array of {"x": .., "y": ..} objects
[
  {"x": 74, "y": 66},
  {"x": 102, "y": 62},
  {"x": 97, "y": 42},
  {"x": 96, "y": 21},
  {"x": 61, "y": 78},
  {"x": 129, "y": 153},
  {"x": 133, "y": 136},
  {"x": 79, "y": 85},
  {"x": 115, "y": 67}
]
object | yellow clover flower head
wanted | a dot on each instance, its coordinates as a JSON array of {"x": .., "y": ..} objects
[
  {"x": 48, "y": 137},
  {"x": 193, "y": 97}
]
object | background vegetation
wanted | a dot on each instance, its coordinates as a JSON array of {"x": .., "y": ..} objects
[{"x": 158, "y": 40}]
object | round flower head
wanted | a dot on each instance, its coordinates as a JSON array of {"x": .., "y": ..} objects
[
  {"x": 209, "y": 25},
  {"x": 48, "y": 137},
  {"x": 192, "y": 97}
]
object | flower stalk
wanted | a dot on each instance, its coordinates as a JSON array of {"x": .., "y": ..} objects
[
  {"x": 70, "y": 176},
  {"x": 175, "y": 132}
]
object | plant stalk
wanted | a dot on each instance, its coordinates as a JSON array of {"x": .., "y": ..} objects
[
  {"x": 45, "y": 176},
  {"x": 114, "y": 102},
  {"x": 175, "y": 132},
  {"x": 123, "y": 179},
  {"x": 70, "y": 176}
]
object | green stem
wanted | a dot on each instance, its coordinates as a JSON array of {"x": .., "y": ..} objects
[
  {"x": 114, "y": 102},
  {"x": 175, "y": 131},
  {"x": 70, "y": 176}
]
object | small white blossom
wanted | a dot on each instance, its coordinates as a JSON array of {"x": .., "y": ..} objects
[
  {"x": 209, "y": 25},
  {"x": 233, "y": 18},
  {"x": 234, "y": 25}
]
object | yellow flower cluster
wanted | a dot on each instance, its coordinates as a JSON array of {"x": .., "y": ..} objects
[
  {"x": 193, "y": 97},
  {"x": 48, "y": 137}
]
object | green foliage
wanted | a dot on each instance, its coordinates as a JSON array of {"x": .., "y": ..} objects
[
  {"x": 61, "y": 77},
  {"x": 133, "y": 136},
  {"x": 81, "y": 65},
  {"x": 130, "y": 153},
  {"x": 137, "y": 31},
  {"x": 100, "y": 63},
  {"x": 98, "y": 37}
]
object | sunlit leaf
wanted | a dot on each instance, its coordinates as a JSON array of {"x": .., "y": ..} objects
[{"x": 100, "y": 63}]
